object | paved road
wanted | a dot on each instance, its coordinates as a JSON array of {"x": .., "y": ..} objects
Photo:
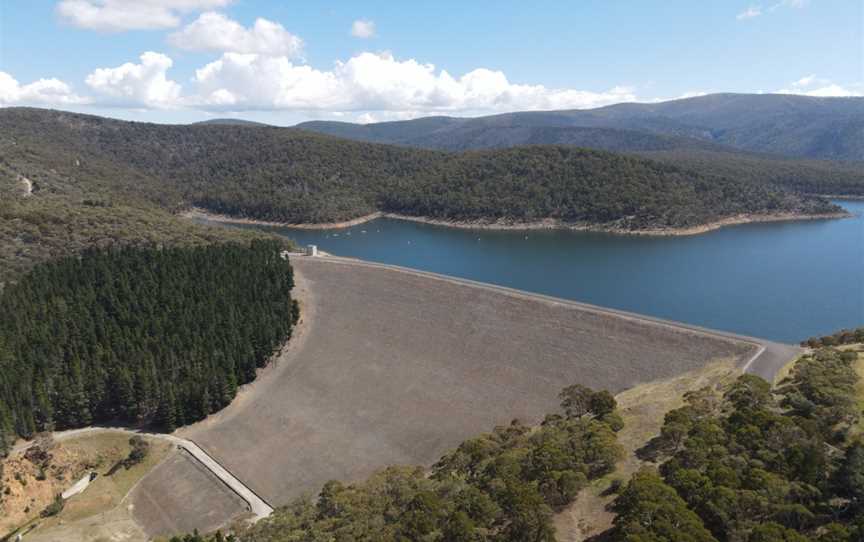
[
  {"x": 766, "y": 362},
  {"x": 257, "y": 505}
]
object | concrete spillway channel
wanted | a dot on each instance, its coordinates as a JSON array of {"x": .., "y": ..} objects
[{"x": 257, "y": 505}]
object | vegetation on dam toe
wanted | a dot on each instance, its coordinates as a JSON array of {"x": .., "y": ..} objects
[
  {"x": 738, "y": 462},
  {"x": 139, "y": 336}
]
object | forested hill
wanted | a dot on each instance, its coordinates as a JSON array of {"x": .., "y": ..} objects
[
  {"x": 139, "y": 336},
  {"x": 783, "y": 125},
  {"x": 293, "y": 176},
  {"x": 453, "y": 134},
  {"x": 231, "y": 122},
  {"x": 807, "y": 176}
]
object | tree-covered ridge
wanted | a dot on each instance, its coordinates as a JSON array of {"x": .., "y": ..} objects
[
  {"x": 797, "y": 175},
  {"x": 756, "y": 464},
  {"x": 583, "y": 186},
  {"x": 139, "y": 335},
  {"x": 293, "y": 176},
  {"x": 794, "y": 126},
  {"x": 74, "y": 204},
  {"x": 503, "y": 485},
  {"x": 844, "y": 336}
]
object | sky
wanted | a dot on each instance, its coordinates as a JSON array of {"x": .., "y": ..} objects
[{"x": 285, "y": 61}]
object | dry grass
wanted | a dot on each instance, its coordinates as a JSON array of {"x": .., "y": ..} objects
[
  {"x": 785, "y": 371},
  {"x": 115, "y": 525},
  {"x": 71, "y": 460},
  {"x": 643, "y": 408},
  {"x": 859, "y": 366},
  {"x": 106, "y": 492}
]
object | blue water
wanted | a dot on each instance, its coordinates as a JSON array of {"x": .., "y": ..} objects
[{"x": 784, "y": 281}]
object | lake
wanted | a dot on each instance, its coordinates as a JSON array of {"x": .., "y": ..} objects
[{"x": 784, "y": 281}]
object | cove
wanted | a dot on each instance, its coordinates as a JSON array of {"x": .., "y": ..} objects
[{"x": 784, "y": 281}]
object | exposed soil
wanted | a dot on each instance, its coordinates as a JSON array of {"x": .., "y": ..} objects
[
  {"x": 395, "y": 367},
  {"x": 180, "y": 495},
  {"x": 65, "y": 462},
  {"x": 545, "y": 224}
]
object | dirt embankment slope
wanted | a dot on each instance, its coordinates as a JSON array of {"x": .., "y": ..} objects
[
  {"x": 181, "y": 495},
  {"x": 396, "y": 367}
]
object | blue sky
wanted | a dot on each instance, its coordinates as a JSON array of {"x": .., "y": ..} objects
[{"x": 389, "y": 60}]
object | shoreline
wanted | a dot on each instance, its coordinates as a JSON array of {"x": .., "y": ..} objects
[
  {"x": 199, "y": 213},
  {"x": 546, "y": 224}
]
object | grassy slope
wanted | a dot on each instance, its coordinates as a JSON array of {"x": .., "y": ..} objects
[
  {"x": 643, "y": 408},
  {"x": 860, "y": 368},
  {"x": 72, "y": 459}
]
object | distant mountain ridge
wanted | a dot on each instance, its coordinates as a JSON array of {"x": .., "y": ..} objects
[
  {"x": 779, "y": 124},
  {"x": 230, "y": 122}
]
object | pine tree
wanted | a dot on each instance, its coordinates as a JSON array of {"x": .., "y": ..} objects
[
  {"x": 167, "y": 414},
  {"x": 7, "y": 430},
  {"x": 97, "y": 338}
]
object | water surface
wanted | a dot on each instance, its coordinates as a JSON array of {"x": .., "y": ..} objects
[{"x": 784, "y": 280}]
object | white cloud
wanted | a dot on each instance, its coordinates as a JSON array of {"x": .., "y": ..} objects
[
  {"x": 790, "y": 4},
  {"x": 683, "y": 96},
  {"x": 755, "y": 11},
  {"x": 121, "y": 15},
  {"x": 377, "y": 82},
  {"x": 805, "y": 81},
  {"x": 749, "y": 13},
  {"x": 811, "y": 85},
  {"x": 42, "y": 92},
  {"x": 385, "y": 116},
  {"x": 216, "y": 32},
  {"x": 249, "y": 81},
  {"x": 144, "y": 84},
  {"x": 362, "y": 28}
]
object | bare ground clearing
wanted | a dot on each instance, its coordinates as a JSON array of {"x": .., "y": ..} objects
[
  {"x": 71, "y": 457},
  {"x": 180, "y": 495},
  {"x": 396, "y": 367}
]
